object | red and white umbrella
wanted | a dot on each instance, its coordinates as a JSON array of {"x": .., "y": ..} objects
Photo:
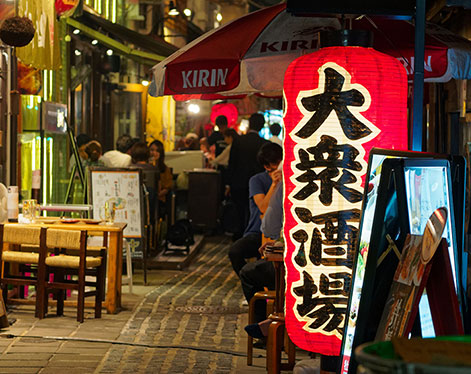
[{"x": 251, "y": 53}]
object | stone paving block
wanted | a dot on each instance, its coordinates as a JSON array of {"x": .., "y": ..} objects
[
  {"x": 85, "y": 344},
  {"x": 88, "y": 351},
  {"x": 31, "y": 349},
  {"x": 22, "y": 370},
  {"x": 75, "y": 357},
  {"x": 60, "y": 370},
  {"x": 25, "y": 356},
  {"x": 47, "y": 331},
  {"x": 23, "y": 364},
  {"x": 54, "y": 322},
  {"x": 5, "y": 342},
  {"x": 73, "y": 364}
]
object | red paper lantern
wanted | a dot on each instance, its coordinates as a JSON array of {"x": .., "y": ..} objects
[
  {"x": 65, "y": 8},
  {"x": 339, "y": 103},
  {"x": 224, "y": 109}
]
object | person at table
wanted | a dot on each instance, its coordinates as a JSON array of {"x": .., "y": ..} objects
[
  {"x": 216, "y": 139},
  {"x": 275, "y": 130},
  {"x": 223, "y": 158},
  {"x": 82, "y": 140},
  {"x": 94, "y": 152},
  {"x": 157, "y": 158},
  {"x": 255, "y": 276},
  {"x": 261, "y": 188},
  {"x": 120, "y": 157},
  {"x": 222, "y": 161},
  {"x": 140, "y": 155},
  {"x": 242, "y": 166}
]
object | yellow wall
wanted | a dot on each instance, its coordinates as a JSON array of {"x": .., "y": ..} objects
[{"x": 160, "y": 121}]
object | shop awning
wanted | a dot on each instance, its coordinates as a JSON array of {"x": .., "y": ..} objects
[{"x": 145, "y": 49}]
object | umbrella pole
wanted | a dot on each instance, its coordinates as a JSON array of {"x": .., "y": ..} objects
[{"x": 419, "y": 47}]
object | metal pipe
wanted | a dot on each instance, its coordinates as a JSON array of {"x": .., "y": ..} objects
[
  {"x": 419, "y": 54},
  {"x": 7, "y": 56}
]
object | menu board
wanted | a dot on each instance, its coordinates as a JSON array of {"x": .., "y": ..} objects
[
  {"x": 120, "y": 187},
  {"x": 411, "y": 186}
]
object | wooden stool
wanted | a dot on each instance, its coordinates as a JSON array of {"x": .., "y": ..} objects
[
  {"x": 276, "y": 334},
  {"x": 260, "y": 295},
  {"x": 276, "y": 330}
]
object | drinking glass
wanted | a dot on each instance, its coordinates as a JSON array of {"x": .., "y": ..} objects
[
  {"x": 31, "y": 209},
  {"x": 107, "y": 212}
]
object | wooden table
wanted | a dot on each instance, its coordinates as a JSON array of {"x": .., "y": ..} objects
[
  {"x": 276, "y": 330},
  {"x": 115, "y": 253}
]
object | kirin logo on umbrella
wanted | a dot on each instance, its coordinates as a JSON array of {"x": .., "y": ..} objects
[{"x": 305, "y": 39}]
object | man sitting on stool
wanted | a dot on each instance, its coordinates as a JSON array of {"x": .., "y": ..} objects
[
  {"x": 261, "y": 188},
  {"x": 254, "y": 276}
]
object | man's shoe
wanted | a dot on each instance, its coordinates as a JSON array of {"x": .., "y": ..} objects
[
  {"x": 260, "y": 343},
  {"x": 254, "y": 331}
]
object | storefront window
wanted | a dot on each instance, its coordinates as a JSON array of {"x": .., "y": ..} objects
[{"x": 127, "y": 109}]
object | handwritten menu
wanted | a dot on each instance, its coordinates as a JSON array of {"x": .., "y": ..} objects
[{"x": 121, "y": 188}]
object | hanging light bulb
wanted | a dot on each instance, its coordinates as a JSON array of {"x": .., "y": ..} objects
[
  {"x": 173, "y": 11},
  {"x": 187, "y": 12}
]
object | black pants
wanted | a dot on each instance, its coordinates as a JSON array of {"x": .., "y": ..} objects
[
  {"x": 243, "y": 248},
  {"x": 254, "y": 276}
]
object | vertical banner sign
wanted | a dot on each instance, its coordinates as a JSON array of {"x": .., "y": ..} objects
[
  {"x": 43, "y": 52},
  {"x": 339, "y": 103}
]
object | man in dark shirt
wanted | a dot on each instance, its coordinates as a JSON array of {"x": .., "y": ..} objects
[
  {"x": 217, "y": 137},
  {"x": 242, "y": 166}
]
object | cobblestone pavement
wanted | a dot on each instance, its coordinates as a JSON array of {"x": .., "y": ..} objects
[
  {"x": 189, "y": 321},
  {"x": 200, "y": 309}
]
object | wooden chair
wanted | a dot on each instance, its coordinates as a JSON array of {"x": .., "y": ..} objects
[
  {"x": 72, "y": 257},
  {"x": 12, "y": 237},
  {"x": 260, "y": 295}
]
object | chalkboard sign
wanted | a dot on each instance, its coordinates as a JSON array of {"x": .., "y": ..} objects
[{"x": 123, "y": 188}]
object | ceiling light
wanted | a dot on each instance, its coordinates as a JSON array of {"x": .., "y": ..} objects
[
  {"x": 187, "y": 12},
  {"x": 94, "y": 42},
  {"x": 173, "y": 11},
  {"x": 194, "y": 108},
  {"x": 219, "y": 17},
  {"x": 145, "y": 83},
  {"x": 109, "y": 52},
  {"x": 76, "y": 31},
  {"x": 77, "y": 52}
]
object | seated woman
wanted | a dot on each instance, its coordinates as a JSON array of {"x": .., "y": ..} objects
[{"x": 157, "y": 158}]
